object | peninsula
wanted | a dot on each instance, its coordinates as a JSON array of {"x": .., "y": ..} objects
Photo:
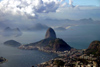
[{"x": 50, "y": 44}]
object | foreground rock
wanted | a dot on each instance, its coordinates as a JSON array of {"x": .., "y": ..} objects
[
  {"x": 12, "y": 43},
  {"x": 94, "y": 48}
]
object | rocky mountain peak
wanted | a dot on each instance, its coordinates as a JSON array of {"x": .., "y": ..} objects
[{"x": 50, "y": 33}]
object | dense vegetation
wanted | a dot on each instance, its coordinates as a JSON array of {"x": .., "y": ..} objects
[
  {"x": 59, "y": 45},
  {"x": 59, "y": 63},
  {"x": 94, "y": 48}
]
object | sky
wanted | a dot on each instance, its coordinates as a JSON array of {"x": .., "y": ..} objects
[
  {"x": 86, "y": 2},
  {"x": 25, "y": 13}
]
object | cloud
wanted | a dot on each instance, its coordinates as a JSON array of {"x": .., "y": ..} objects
[
  {"x": 25, "y": 13},
  {"x": 64, "y": 4},
  {"x": 70, "y": 2},
  {"x": 30, "y": 8},
  {"x": 68, "y": 27},
  {"x": 60, "y": 28}
]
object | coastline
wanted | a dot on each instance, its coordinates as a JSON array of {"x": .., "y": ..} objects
[
  {"x": 61, "y": 54},
  {"x": 71, "y": 58}
]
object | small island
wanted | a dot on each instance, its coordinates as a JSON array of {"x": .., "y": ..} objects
[
  {"x": 12, "y": 43},
  {"x": 2, "y": 60}
]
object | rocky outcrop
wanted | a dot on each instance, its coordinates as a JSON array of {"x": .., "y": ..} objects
[
  {"x": 94, "y": 48},
  {"x": 12, "y": 43},
  {"x": 50, "y": 33},
  {"x": 50, "y": 43}
]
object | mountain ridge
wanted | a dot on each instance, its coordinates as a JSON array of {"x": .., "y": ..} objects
[{"x": 11, "y": 32}]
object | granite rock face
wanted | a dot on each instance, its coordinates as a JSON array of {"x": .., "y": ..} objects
[{"x": 50, "y": 33}]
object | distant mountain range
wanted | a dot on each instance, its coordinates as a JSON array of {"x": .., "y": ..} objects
[
  {"x": 60, "y": 26},
  {"x": 38, "y": 27},
  {"x": 11, "y": 32}
]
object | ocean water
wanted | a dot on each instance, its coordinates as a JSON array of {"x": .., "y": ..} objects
[
  {"x": 81, "y": 36},
  {"x": 23, "y": 58}
]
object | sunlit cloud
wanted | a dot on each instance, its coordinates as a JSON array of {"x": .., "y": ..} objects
[
  {"x": 25, "y": 13},
  {"x": 29, "y": 7}
]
